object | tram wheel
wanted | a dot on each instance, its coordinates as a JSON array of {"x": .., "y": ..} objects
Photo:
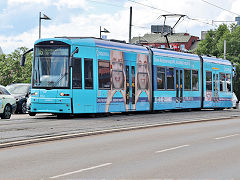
[
  {"x": 64, "y": 116},
  {"x": 32, "y": 114}
]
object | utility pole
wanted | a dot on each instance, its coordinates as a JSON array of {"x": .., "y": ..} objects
[
  {"x": 39, "y": 32},
  {"x": 225, "y": 48},
  {"x": 130, "y": 26}
]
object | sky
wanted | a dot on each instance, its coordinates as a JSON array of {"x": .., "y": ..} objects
[{"x": 19, "y": 19}]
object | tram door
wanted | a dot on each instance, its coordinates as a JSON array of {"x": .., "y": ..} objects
[
  {"x": 130, "y": 87},
  {"x": 179, "y": 88},
  {"x": 215, "y": 89}
]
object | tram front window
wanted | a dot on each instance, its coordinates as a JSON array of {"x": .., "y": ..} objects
[{"x": 51, "y": 68}]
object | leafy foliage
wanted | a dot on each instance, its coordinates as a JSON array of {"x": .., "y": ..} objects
[
  {"x": 214, "y": 45},
  {"x": 11, "y": 71}
]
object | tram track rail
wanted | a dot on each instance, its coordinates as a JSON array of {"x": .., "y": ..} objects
[{"x": 75, "y": 133}]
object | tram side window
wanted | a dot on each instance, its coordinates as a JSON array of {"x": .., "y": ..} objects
[
  {"x": 77, "y": 73},
  {"x": 88, "y": 73},
  {"x": 104, "y": 74},
  {"x": 187, "y": 79},
  {"x": 228, "y": 81},
  {"x": 161, "y": 78},
  {"x": 209, "y": 81},
  {"x": 195, "y": 81},
  {"x": 222, "y": 82},
  {"x": 170, "y": 78}
]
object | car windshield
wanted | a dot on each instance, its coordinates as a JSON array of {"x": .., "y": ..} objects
[
  {"x": 3, "y": 91},
  {"x": 51, "y": 67},
  {"x": 18, "y": 88}
]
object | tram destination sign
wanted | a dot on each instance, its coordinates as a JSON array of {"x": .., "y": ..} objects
[{"x": 52, "y": 51}]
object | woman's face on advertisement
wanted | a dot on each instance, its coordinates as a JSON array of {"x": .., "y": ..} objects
[
  {"x": 143, "y": 80},
  {"x": 117, "y": 69},
  {"x": 142, "y": 63},
  {"x": 142, "y": 71}
]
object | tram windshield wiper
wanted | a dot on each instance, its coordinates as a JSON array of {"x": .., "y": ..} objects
[{"x": 61, "y": 77}]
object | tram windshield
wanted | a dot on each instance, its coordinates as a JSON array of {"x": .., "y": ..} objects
[{"x": 50, "y": 69}]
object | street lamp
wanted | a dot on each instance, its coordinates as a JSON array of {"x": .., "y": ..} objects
[
  {"x": 40, "y": 18},
  {"x": 104, "y": 30}
]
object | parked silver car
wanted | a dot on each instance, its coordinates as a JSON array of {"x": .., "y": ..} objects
[
  {"x": 21, "y": 92},
  {"x": 7, "y": 103}
]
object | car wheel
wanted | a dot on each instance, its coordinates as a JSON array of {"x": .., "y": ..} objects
[
  {"x": 23, "y": 109},
  {"x": 7, "y": 112}
]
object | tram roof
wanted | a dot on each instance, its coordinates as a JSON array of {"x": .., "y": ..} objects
[
  {"x": 175, "y": 54},
  {"x": 216, "y": 60},
  {"x": 91, "y": 41}
]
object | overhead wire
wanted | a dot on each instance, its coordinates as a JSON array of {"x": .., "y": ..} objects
[
  {"x": 109, "y": 4},
  {"x": 149, "y": 6},
  {"x": 193, "y": 19},
  {"x": 133, "y": 1},
  {"x": 143, "y": 27},
  {"x": 152, "y": 7},
  {"x": 201, "y": 21},
  {"x": 220, "y": 7}
]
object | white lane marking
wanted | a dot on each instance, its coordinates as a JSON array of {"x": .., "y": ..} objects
[
  {"x": 227, "y": 136},
  {"x": 170, "y": 149},
  {"x": 81, "y": 170}
]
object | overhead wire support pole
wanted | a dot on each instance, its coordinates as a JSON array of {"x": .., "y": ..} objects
[
  {"x": 39, "y": 25},
  {"x": 130, "y": 26}
]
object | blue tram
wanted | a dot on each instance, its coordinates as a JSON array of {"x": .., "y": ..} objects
[{"x": 89, "y": 75}]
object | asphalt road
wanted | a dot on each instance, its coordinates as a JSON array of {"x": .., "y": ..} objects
[
  {"x": 24, "y": 127},
  {"x": 199, "y": 150}
]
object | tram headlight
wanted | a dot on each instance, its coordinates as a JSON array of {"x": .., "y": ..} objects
[
  {"x": 62, "y": 94},
  {"x": 34, "y": 94}
]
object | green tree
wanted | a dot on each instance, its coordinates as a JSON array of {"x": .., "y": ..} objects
[
  {"x": 214, "y": 45},
  {"x": 209, "y": 46},
  {"x": 11, "y": 71}
]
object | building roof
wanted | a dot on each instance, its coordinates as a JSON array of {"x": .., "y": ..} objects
[{"x": 159, "y": 38}]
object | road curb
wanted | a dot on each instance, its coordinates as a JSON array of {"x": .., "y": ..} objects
[{"x": 91, "y": 133}]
